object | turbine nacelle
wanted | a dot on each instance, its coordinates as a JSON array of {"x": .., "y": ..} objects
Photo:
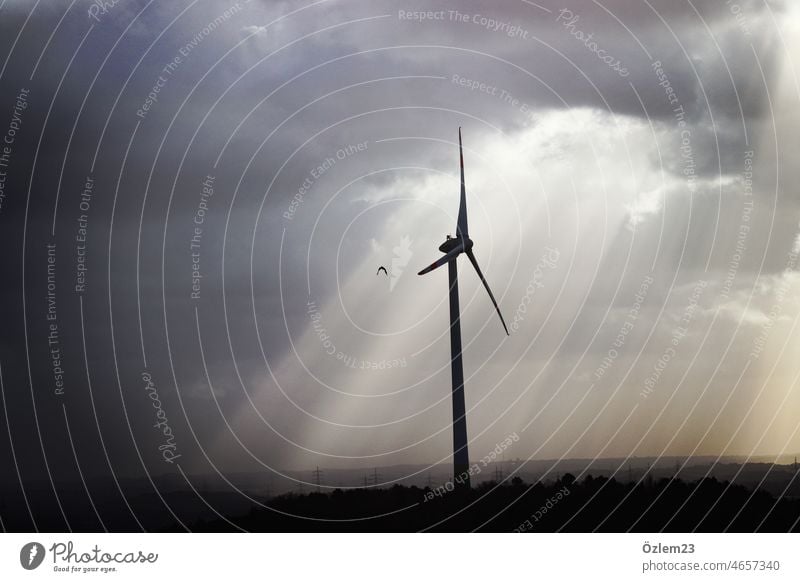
[{"x": 453, "y": 242}]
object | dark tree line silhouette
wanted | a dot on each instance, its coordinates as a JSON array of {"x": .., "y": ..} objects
[
  {"x": 589, "y": 504},
  {"x": 593, "y": 504}
]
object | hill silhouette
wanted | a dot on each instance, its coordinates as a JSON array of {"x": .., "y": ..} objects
[
  {"x": 593, "y": 504},
  {"x": 642, "y": 503}
]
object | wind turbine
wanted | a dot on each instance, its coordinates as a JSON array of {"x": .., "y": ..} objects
[{"x": 452, "y": 247}]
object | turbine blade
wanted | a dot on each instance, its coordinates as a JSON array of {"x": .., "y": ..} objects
[
  {"x": 445, "y": 259},
  {"x": 461, "y": 227},
  {"x": 485, "y": 284}
]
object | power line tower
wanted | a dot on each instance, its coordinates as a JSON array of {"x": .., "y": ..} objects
[
  {"x": 317, "y": 474},
  {"x": 366, "y": 481},
  {"x": 375, "y": 476},
  {"x": 630, "y": 473},
  {"x": 430, "y": 481},
  {"x": 498, "y": 473}
]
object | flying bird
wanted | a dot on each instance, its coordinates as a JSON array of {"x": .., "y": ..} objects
[{"x": 382, "y": 268}]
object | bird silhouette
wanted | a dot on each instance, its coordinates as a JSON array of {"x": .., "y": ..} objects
[{"x": 382, "y": 268}]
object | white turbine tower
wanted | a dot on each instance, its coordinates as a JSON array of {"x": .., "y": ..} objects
[{"x": 452, "y": 247}]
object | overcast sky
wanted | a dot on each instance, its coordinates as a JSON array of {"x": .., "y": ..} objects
[{"x": 631, "y": 181}]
